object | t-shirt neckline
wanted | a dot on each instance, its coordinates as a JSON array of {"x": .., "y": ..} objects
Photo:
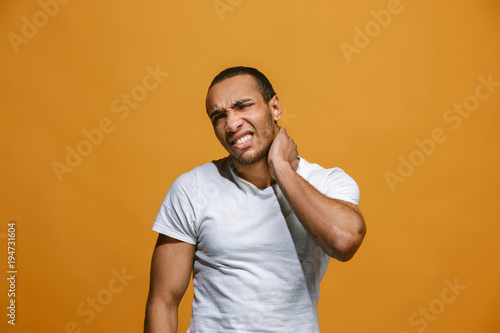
[{"x": 245, "y": 184}]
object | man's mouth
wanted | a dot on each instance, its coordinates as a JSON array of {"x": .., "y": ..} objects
[{"x": 243, "y": 141}]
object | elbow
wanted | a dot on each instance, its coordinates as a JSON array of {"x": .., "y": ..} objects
[
  {"x": 347, "y": 246},
  {"x": 346, "y": 253}
]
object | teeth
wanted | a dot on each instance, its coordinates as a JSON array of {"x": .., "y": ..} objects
[{"x": 243, "y": 139}]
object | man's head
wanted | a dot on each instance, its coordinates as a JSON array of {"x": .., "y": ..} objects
[
  {"x": 244, "y": 111},
  {"x": 262, "y": 83}
]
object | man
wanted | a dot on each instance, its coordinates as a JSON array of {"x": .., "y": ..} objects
[{"x": 256, "y": 228}]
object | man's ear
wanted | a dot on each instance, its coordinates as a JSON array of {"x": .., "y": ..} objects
[{"x": 275, "y": 107}]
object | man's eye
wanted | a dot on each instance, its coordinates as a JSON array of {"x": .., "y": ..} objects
[{"x": 218, "y": 117}]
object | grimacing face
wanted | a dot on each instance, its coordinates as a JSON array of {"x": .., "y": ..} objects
[{"x": 244, "y": 124}]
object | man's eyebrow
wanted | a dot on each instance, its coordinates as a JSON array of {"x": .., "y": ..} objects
[
  {"x": 215, "y": 112},
  {"x": 235, "y": 105},
  {"x": 241, "y": 101}
]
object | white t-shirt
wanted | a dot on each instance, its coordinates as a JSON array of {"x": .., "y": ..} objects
[{"x": 256, "y": 268}]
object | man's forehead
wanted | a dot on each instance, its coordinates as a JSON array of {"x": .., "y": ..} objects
[{"x": 231, "y": 90}]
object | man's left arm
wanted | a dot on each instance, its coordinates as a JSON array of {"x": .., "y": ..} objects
[{"x": 336, "y": 225}]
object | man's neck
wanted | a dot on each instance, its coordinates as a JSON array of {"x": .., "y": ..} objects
[{"x": 257, "y": 173}]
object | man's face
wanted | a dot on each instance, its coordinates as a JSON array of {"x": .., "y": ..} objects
[{"x": 243, "y": 122}]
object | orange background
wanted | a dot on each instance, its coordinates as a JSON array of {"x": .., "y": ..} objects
[{"x": 363, "y": 115}]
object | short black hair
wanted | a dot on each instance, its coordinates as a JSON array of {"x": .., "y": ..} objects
[{"x": 263, "y": 85}]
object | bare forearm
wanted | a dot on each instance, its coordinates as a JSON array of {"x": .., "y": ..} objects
[
  {"x": 160, "y": 319},
  {"x": 337, "y": 227}
]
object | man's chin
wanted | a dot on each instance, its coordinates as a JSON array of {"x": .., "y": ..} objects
[{"x": 249, "y": 158}]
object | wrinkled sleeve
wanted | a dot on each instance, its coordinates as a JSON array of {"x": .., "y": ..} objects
[
  {"x": 337, "y": 184},
  {"x": 177, "y": 215}
]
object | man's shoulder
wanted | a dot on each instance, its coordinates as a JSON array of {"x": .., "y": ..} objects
[
  {"x": 333, "y": 182},
  {"x": 308, "y": 170},
  {"x": 204, "y": 171}
]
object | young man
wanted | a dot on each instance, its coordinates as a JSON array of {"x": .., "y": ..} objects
[{"x": 256, "y": 228}]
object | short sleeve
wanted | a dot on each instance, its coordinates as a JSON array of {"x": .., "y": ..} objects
[
  {"x": 337, "y": 184},
  {"x": 177, "y": 215}
]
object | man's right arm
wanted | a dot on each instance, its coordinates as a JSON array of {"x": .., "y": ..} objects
[{"x": 171, "y": 268}]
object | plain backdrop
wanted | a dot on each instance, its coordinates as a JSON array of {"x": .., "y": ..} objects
[{"x": 393, "y": 92}]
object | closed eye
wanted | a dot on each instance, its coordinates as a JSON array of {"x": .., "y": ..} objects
[
  {"x": 217, "y": 115},
  {"x": 245, "y": 106},
  {"x": 241, "y": 105}
]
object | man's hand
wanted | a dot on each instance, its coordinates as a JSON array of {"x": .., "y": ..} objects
[
  {"x": 283, "y": 152},
  {"x": 337, "y": 226}
]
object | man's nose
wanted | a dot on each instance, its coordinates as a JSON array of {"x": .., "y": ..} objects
[{"x": 233, "y": 121}]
